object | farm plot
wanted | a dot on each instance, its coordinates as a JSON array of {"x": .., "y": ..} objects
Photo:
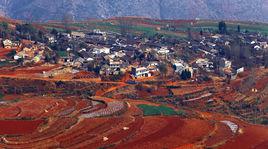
[
  {"x": 149, "y": 110},
  {"x": 112, "y": 108},
  {"x": 18, "y": 127}
]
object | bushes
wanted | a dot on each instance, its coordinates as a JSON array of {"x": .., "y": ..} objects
[
  {"x": 264, "y": 121},
  {"x": 185, "y": 75},
  {"x": 1, "y": 96}
]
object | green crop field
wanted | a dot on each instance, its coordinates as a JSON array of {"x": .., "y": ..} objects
[
  {"x": 149, "y": 110},
  {"x": 232, "y": 26},
  {"x": 180, "y": 29}
]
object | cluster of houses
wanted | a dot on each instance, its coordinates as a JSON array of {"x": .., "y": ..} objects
[
  {"x": 27, "y": 51},
  {"x": 114, "y": 54},
  {"x": 110, "y": 54}
]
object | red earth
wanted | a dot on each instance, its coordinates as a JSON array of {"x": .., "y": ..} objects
[{"x": 16, "y": 127}]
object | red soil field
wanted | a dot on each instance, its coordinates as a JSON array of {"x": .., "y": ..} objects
[
  {"x": 9, "y": 112},
  {"x": 173, "y": 133},
  {"x": 15, "y": 127},
  {"x": 261, "y": 84},
  {"x": 252, "y": 137},
  {"x": 158, "y": 92},
  {"x": 188, "y": 146},
  {"x": 29, "y": 71},
  {"x": 221, "y": 134}
]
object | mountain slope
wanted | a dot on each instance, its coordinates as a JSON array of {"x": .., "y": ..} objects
[{"x": 42, "y": 10}]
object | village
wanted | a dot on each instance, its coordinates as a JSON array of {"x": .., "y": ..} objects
[
  {"x": 113, "y": 55},
  {"x": 105, "y": 89}
]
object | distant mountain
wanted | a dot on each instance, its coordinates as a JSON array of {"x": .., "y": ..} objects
[{"x": 43, "y": 10}]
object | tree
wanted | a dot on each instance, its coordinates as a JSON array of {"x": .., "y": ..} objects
[
  {"x": 266, "y": 58},
  {"x": 48, "y": 58},
  {"x": 4, "y": 30},
  {"x": 163, "y": 68},
  {"x": 189, "y": 33},
  {"x": 185, "y": 75},
  {"x": 54, "y": 32},
  {"x": 188, "y": 74},
  {"x": 206, "y": 78},
  {"x": 201, "y": 32},
  {"x": 222, "y": 27},
  {"x": 238, "y": 29},
  {"x": 20, "y": 61},
  {"x": 4, "y": 25},
  {"x": 11, "y": 53}
]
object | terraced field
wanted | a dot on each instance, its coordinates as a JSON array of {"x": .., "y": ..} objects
[{"x": 107, "y": 121}]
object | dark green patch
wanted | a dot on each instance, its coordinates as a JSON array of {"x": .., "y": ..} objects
[
  {"x": 159, "y": 110},
  {"x": 1, "y": 96},
  {"x": 62, "y": 53}
]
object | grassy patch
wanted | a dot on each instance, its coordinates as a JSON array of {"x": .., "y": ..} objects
[
  {"x": 149, "y": 110},
  {"x": 167, "y": 110},
  {"x": 56, "y": 28},
  {"x": 62, "y": 53}
]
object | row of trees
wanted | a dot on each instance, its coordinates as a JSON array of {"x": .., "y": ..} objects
[
  {"x": 223, "y": 28},
  {"x": 22, "y": 31},
  {"x": 28, "y": 31}
]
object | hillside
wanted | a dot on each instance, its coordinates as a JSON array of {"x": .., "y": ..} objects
[{"x": 43, "y": 10}]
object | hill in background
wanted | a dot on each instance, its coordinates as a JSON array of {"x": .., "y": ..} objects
[{"x": 43, "y": 10}]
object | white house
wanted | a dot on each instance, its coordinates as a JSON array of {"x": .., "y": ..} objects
[
  {"x": 16, "y": 57},
  {"x": 204, "y": 63},
  {"x": 180, "y": 66},
  {"x": 263, "y": 45},
  {"x": 163, "y": 50},
  {"x": 115, "y": 64},
  {"x": 139, "y": 72},
  {"x": 257, "y": 47},
  {"x": 51, "y": 39},
  {"x": 101, "y": 50},
  {"x": 98, "y": 31},
  {"x": 7, "y": 43},
  {"x": 224, "y": 63},
  {"x": 240, "y": 70},
  {"x": 78, "y": 34}
]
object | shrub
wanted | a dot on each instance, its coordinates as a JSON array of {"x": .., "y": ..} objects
[
  {"x": 1, "y": 96},
  {"x": 264, "y": 121}
]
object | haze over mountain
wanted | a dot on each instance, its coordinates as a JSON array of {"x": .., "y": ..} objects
[{"x": 43, "y": 10}]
